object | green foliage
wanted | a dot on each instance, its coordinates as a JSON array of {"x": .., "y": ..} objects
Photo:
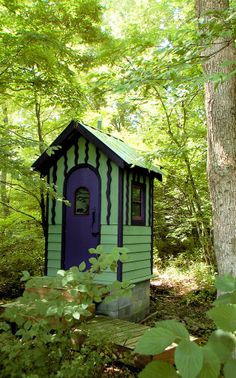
[
  {"x": 50, "y": 335},
  {"x": 158, "y": 369},
  {"x": 192, "y": 360}
]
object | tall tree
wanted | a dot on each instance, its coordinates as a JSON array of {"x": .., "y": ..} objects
[
  {"x": 45, "y": 46},
  {"x": 219, "y": 57}
]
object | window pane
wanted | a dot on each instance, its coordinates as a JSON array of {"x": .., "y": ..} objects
[
  {"x": 136, "y": 210},
  {"x": 136, "y": 193},
  {"x": 137, "y": 203},
  {"x": 82, "y": 201}
]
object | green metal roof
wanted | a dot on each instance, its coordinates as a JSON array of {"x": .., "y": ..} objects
[
  {"x": 117, "y": 150},
  {"x": 127, "y": 153}
]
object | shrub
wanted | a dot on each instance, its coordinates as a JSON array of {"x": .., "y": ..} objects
[
  {"x": 49, "y": 337},
  {"x": 11, "y": 267},
  {"x": 191, "y": 360}
]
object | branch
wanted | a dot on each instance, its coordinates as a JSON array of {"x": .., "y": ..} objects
[
  {"x": 21, "y": 212},
  {"x": 22, "y": 189}
]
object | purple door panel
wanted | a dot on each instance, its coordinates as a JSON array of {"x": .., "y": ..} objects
[{"x": 82, "y": 223}]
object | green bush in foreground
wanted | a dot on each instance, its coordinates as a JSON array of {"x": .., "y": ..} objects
[
  {"x": 212, "y": 360},
  {"x": 49, "y": 337}
]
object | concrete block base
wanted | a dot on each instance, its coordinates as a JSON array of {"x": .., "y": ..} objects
[{"x": 133, "y": 308}]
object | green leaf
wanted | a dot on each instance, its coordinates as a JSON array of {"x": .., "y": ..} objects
[
  {"x": 82, "y": 266},
  {"x": 188, "y": 359},
  {"x": 229, "y": 298},
  {"x": 76, "y": 315},
  {"x": 61, "y": 273},
  {"x": 224, "y": 317},
  {"x": 93, "y": 260},
  {"x": 158, "y": 369},
  {"x": 211, "y": 364},
  {"x": 225, "y": 283},
  {"x": 4, "y": 326},
  {"x": 154, "y": 341},
  {"x": 222, "y": 343},
  {"x": 177, "y": 329},
  {"x": 92, "y": 250},
  {"x": 26, "y": 276},
  {"x": 230, "y": 369}
]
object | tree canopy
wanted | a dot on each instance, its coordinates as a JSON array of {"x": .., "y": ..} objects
[{"x": 134, "y": 65}]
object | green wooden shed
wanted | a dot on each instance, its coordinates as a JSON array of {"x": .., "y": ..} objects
[{"x": 110, "y": 189}]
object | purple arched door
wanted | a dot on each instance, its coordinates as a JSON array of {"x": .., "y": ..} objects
[{"x": 82, "y": 218}]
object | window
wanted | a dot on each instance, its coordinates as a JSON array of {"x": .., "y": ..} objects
[
  {"x": 82, "y": 201},
  {"x": 138, "y": 204}
]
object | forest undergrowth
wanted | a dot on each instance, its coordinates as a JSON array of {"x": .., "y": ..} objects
[
  {"x": 180, "y": 292},
  {"x": 184, "y": 295}
]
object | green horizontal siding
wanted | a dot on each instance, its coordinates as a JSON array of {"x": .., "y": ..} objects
[
  {"x": 53, "y": 246},
  {"x": 54, "y": 238},
  {"x": 138, "y": 247},
  {"x": 54, "y": 229},
  {"x": 106, "y": 277},
  {"x": 109, "y": 229},
  {"x": 54, "y": 264},
  {"x": 136, "y": 265},
  {"x": 54, "y": 255},
  {"x": 108, "y": 247},
  {"x": 139, "y": 256},
  {"x": 109, "y": 239},
  {"x": 136, "y": 239},
  {"x": 137, "y": 274},
  {"x": 136, "y": 230},
  {"x": 52, "y": 272}
]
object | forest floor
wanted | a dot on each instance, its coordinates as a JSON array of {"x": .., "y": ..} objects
[{"x": 180, "y": 298}]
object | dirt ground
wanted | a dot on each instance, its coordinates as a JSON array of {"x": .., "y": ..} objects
[
  {"x": 183, "y": 301},
  {"x": 179, "y": 299}
]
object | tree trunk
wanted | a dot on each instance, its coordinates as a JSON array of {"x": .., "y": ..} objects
[
  {"x": 220, "y": 102},
  {"x": 3, "y": 174},
  {"x": 41, "y": 150}
]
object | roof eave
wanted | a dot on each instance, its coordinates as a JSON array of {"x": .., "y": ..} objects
[{"x": 44, "y": 162}]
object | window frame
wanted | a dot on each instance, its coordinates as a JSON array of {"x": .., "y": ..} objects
[
  {"x": 140, "y": 220},
  {"x": 75, "y": 202}
]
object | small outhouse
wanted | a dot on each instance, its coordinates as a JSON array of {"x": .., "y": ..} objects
[{"x": 110, "y": 189}]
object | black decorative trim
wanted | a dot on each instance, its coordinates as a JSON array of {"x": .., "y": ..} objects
[
  {"x": 127, "y": 198},
  {"x": 46, "y": 238},
  {"x": 86, "y": 151},
  {"x": 152, "y": 233},
  {"x": 120, "y": 221},
  {"x": 54, "y": 178},
  {"x": 98, "y": 155},
  {"x": 66, "y": 140},
  {"x": 150, "y": 199},
  {"x": 65, "y": 163},
  {"x": 76, "y": 161},
  {"x": 108, "y": 191}
]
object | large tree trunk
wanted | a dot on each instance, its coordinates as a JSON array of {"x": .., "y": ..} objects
[{"x": 221, "y": 121}]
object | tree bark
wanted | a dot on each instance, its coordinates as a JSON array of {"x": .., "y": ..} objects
[
  {"x": 5, "y": 199},
  {"x": 220, "y": 102},
  {"x": 41, "y": 150}
]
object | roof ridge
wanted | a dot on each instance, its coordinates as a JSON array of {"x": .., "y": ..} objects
[{"x": 101, "y": 131}]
